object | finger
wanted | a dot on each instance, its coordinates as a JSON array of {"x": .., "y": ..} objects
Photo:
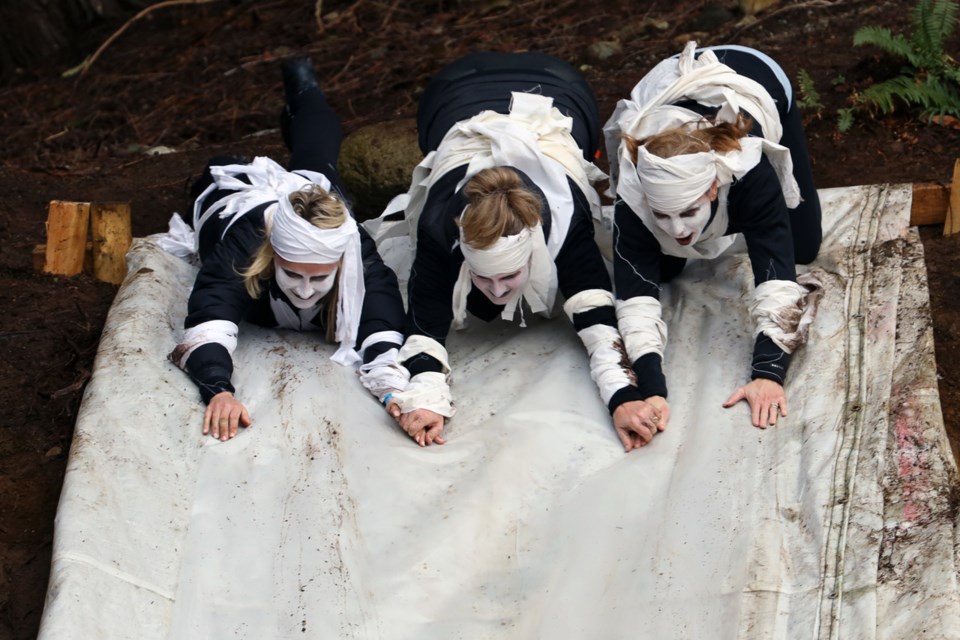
[
  {"x": 625, "y": 439},
  {"x": 234, "y": 423},
  {"x": 783, "y": 406},
  {"x": 755, "y": 410},
  {"x": 206, "y": 421},
  {"x": 394, "y": 410},
  {"x": 245, "y": 419},
  {"x": 774, "y": 413},
  {"x": 434, "y": 432},
  {"x": 664, "y": 418},
  {"x": 735, "y": 397},
  {"x": 654, "y": 425},
  {"x": 646, "y": 434},
  {"x": 439, "y": 440}
]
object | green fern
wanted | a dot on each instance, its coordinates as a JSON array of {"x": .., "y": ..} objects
[
  {"x": 931, "y": 80},
  {"x": 883, "y": 38},
  {"x": 809, "y": 96},
  {"x": 845, "y": 118}
]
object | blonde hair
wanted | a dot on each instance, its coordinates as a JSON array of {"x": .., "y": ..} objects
[
  {"x": 500, "y": 205},
  {"x": 323, "y": 210},
  {"x": 696, "y": 137}
]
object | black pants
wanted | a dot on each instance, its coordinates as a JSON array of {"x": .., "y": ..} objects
[{"x": 484, "y": 81}]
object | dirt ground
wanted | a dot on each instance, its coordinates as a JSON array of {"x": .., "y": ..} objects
[{"x": 204, "y": 79}]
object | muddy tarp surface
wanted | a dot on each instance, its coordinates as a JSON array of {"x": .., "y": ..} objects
[{"x": 324, "y": 520}]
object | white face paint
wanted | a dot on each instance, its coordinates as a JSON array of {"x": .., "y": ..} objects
[
  {"x": 503, "y": 287},
  {"x": 303, "y": 283},
  {"x": 686, "y": 226}
]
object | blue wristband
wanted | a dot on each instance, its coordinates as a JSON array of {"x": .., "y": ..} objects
[{"x": 386, "y": 399}]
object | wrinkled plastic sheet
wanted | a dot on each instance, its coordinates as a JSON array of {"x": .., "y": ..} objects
[{"x": 324, "y": 520}]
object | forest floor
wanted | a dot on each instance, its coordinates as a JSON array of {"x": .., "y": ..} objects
[{"x": 204, "y": 79}]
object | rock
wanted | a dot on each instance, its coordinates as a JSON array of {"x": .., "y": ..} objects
[
  {"x": 600, "y": 51},
  {"x": 376, "y": 163}
]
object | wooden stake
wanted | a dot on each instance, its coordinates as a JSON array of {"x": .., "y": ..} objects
[
  {"x": 952, "y": 223},
  {"x": 67, "y": 224},
  {"x": 40, "y": 257},
  {"x": 110, "y": 227}
]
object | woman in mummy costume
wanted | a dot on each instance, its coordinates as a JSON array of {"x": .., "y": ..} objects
[
  {"x": 709, "y": 145},
  {"x": 281, "y": 249},
  {"x": 502, "y": 209}
]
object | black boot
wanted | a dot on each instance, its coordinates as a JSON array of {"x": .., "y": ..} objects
[{"x": 298, "y": 78}]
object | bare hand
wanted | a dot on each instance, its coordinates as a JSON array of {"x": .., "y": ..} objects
[
  {"x": 766, "y": 399},
  {"x": 224, "y": 416},
  {"x": 637, "y": 422},
  {"x": 423, "y": 425}
]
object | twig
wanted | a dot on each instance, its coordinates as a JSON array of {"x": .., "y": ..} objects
[
  {"x": 72, "y": 388},
  {"x": 334, "y": 79},
  {"x": 386, "y": 18},
  {"x": 14, "y": 334},
  {"x": 86, "y": 64}
]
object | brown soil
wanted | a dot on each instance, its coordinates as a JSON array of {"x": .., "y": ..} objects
[{"x": 203, "y": 79}]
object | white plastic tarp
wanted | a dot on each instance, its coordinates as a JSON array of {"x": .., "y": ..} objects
[{"x": 324, "y": 520}]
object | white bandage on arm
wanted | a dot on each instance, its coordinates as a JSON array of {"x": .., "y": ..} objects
[
  {"x": 384, "y": 375},
  {"x": 222, "y": 332},
  {"x": 641, "y": 326},
  {"x": 608, "y": 367},
  {"x": 783, "y": 310},
  {"x": 428, "y": 390}
]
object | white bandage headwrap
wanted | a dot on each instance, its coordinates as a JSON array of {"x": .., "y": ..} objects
[
  {"x": 292, "y": 237},
  {"x": 296, "y": 240},
  {"x": 509, "y": 254},
  {"x": 649, "y": 111},
  {"x": 671, "y": 185}
]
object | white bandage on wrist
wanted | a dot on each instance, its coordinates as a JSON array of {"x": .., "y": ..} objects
[
  {"x": 783, "y": 310},
  {"x": 428, "y": 390},
  {"x": 383, "y": 375},
  {"x": 417, "y": 344},
  {"x": 223, "y": 332},
  {"x": 608, "y": 367},
  {"x": 641, "y": 326}
]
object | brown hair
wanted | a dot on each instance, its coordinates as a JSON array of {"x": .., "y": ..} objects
[
  {"x": 695, "y": 137},
  {"x": 500, "y": 205},
  {"x": 323, "y": 210}
]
